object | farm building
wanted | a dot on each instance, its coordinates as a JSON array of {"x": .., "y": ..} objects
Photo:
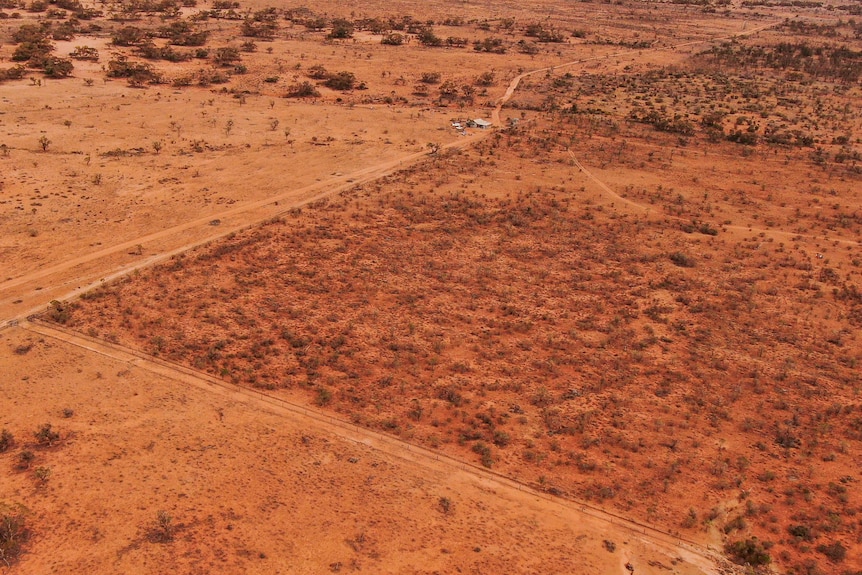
[{"x": 479, "y": 123}]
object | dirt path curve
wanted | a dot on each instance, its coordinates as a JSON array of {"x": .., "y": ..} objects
[
  {"x": 646, "y": 209},
  {"x": 694, "y": 553}
]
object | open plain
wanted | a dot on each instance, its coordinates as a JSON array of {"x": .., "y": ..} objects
[{"x": 296, "y": 313}]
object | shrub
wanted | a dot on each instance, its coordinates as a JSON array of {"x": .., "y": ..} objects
[
  {"x": 13, "y": 73},
  {"x": 129, "y": 36},
  {"x": 57, "y": 67},
  {"x": 341, "y": 29},
  {"x": 801, "y": 532},
  {"x": 748, "y": 552},
  {"x": 485, "y": 79},
  {"x": 836, "y": 552},
  {"x": 317, "y": 72},
  {"x": 226, "y": 55},
  {"x": 25, "y": 459},
  {"x": 85, "y": 53},
  {"x": 121, "y": 67},
  {"x": 302, "y": 90},
  {"x": 30, "y": 33},
  {"x": 162, "y": 530},
  {"x": 787, "y": 440},
  {"x": 430, "y": 77},
  {"x": 14, "y": 533},
  {"x": 491, "y": 45},
  {"x": 427, "y": 37},
  {"x": 682, "y": 260},
  {"x": 7, "y": 440},
  {"x": 46, "y": 435},
  {"x": 445, "y": 505},
  {"x": 32, "y": 51},
  {"x": 394, "y": 39},
  {"x": 341, "y": 81},
  {"x": 262, "y": 24},
  {"x": 324, "y": 396},
  {"x": 42, "y": 474},
  {"x": 484, "y": 452}
]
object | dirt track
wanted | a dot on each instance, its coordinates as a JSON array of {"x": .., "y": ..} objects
[{"x": 704, "y": 558}]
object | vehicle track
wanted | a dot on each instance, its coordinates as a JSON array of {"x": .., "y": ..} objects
[
  {"x": 705, "y": 558},
  {"x": 645, "y": 208}
]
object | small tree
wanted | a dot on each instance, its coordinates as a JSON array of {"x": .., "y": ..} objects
[{"x": 44, "y": 142}]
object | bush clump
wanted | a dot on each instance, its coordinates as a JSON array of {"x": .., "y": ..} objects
[{"x": 748, "y": 552}]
